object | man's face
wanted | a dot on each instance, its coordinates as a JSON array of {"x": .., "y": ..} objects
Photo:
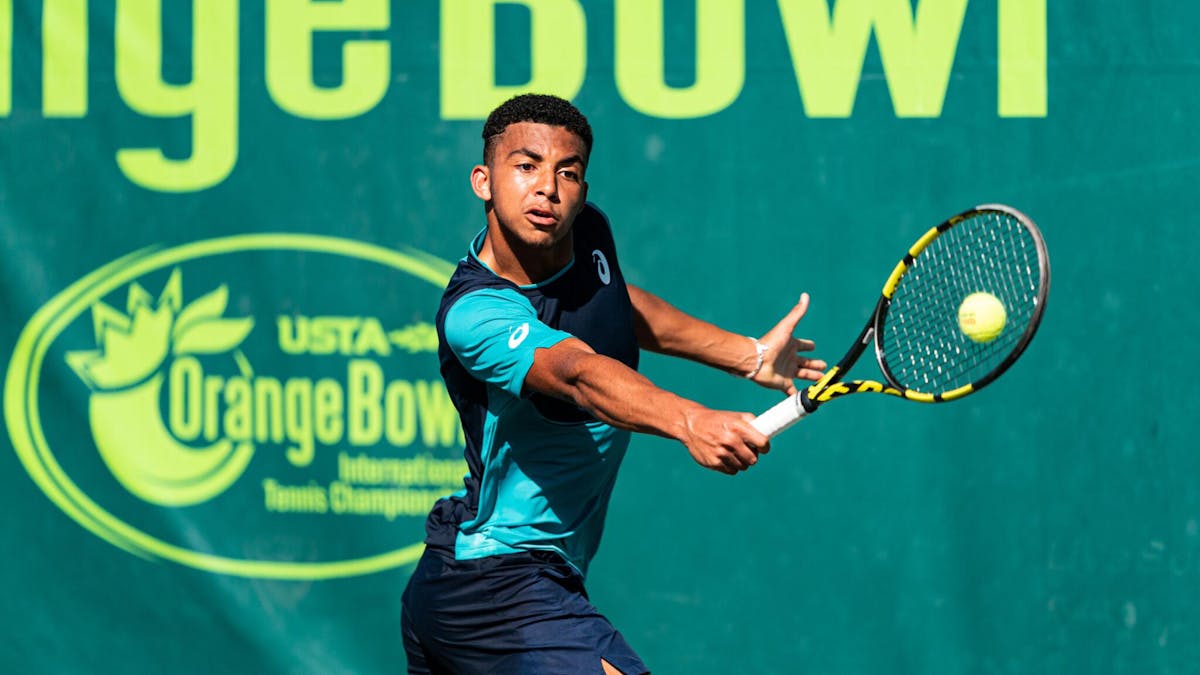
[{"x": 534, "y": 181}]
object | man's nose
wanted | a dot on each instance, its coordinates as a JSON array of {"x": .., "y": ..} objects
[{"x": 548, "y": 185}]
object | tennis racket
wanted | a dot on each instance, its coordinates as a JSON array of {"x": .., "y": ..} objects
[{"x": 937, "y": 336}]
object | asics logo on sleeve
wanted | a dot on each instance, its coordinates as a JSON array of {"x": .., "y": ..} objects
[
  {"x": 602, "y": 266},
  {"x": 517, "y": 336}
]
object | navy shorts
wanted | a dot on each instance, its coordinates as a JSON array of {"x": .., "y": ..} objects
[{"x": 521, "y": 613}]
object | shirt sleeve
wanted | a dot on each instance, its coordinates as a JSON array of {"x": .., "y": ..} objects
[{"x": 494, "y": 332}]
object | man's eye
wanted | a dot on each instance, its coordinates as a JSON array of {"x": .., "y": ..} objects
[
  {"x": 525, "y": 166},
  {"x": 570, "y": 175}
]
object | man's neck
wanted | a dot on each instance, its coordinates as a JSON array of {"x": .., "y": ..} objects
[{"x": 520, "y": 264}]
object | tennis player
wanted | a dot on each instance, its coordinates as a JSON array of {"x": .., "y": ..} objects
[{"x": 539, "y": 350}]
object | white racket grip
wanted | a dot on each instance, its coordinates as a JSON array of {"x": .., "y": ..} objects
[{"x": 781, "y": 416}]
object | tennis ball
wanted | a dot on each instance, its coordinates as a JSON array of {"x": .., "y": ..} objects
[{"x": 981, "y": 316}]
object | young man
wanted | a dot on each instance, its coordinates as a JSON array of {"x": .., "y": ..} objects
[{"x": 539, "y": 348}]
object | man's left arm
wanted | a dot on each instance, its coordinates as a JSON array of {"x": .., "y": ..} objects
[{"x": 665, "y": 329}]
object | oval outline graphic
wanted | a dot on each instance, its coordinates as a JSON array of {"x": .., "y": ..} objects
[{"x": 24, "y": 420}]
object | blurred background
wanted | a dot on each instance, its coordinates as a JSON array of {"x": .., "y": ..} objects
[{"x": 226, "y": 227}]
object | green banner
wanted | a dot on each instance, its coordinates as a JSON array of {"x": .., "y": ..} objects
[{"x": 227, "y": 227}]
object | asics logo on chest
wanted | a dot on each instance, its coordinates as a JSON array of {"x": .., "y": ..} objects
[{"x": 602, "y": 269}]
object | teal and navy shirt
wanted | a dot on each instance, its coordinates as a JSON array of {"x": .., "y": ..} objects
[{"x": 541, "y": 469}]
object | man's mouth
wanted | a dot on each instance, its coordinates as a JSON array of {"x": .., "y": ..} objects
[{"x": 541, "y": 217}]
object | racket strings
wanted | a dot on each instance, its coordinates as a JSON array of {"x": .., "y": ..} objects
[{"x": 922, "y": 345}]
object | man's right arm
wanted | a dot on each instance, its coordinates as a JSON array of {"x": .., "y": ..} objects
[
  {"x": 497, "y": 337},
  {"x": 618, "y": 395}
]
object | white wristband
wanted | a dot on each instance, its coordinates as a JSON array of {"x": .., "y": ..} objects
[{"x": 761, "y": 349}]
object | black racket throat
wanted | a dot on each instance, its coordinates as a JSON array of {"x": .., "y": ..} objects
[{"x": 831, "y": 386}]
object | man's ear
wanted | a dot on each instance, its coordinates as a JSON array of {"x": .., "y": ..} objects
[{"x": 481, "y": 182}]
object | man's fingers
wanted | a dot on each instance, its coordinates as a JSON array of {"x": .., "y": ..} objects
[
  {"x": 801, "y": 305},
  {"x": 734, "y": 446},
  {"x": 811, "y": 369},
  {"x": 793, "y": 317},
  {"x": 754, "y": 437},
  {"x": 751, "y": 442},
  {"x": 764, "y": 448},
  {"x": 788, "y": 323},
  {"x": 746, "y": 456}
]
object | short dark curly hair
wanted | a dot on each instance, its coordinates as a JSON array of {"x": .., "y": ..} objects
[{"x": 540, "y": 109}]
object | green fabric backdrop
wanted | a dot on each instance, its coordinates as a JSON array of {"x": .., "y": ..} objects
[{"x": 225, "y": 236}]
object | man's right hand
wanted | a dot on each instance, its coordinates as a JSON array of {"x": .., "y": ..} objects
[{"x": 723, "y": 441}]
